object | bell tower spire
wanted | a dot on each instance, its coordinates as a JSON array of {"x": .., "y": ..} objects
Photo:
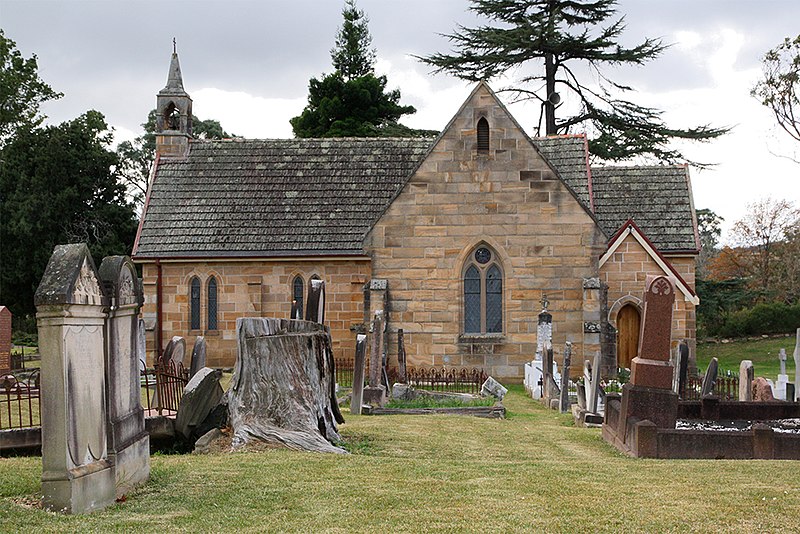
[{"x": 174, "y": 113}]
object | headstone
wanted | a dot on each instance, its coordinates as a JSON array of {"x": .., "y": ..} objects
[
  {"x": 401, "y": 356},
  {"x": 580, "y": 389},
  {"x": 200, "y": 396},
  {"x": 141, "y": 344},
  {"x": 564, "y": 398},
  {"x": 797, "y": 366},
  {"x": 315, "y": 303},
  {"x": 710, "y": 378},
  {"x": 5, "y": 340},
  {"x": 375, "y": 393},
  {"x": 780, "y": 385},
  {"x": 544, "y": 329},
  {"x": 198, "y": 355},
  {"x": 129, "y": 441},
  {"x": 746, "y": 381},
  {"x": 77, "y": 475},
  {"x": 357, "y": 397},
  {"x": 593, "y": 392},
  {"x": 175, "y": 351},
  {"x": 762, "y": 391},
  {"x": 681, "y": 365},
  {"x": 547, "y": 370},
  {"x": 493, "y": 388},
  {"x": 651, "y": 367}
]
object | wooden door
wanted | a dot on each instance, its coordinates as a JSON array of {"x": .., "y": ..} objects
[{"x": 628, "y": 323}]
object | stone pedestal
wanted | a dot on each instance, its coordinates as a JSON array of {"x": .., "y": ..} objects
[
  {"x": 77, "y": 474},
  {"x": 375, "y": 395}
]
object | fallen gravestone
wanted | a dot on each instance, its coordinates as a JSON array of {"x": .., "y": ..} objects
[
  {"x": 200, "y": 396},
  {"x": 493, "y": 388},
  {"x": 281, "y": 387}
]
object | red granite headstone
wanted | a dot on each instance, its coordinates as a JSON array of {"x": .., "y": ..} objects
[
  {"x": 652, "y": 367},
  {"x": 5, "y": 339}
]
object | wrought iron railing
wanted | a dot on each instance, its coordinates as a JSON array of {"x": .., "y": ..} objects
[
  {"x": 163, "y": 387},
  {"x": 726, "y": 388},
  {"x": 455, "y": 380},
  {"x": 19, "y": 401}
]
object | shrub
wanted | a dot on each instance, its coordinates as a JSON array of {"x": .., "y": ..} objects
[{"x": 767, "y": 318}]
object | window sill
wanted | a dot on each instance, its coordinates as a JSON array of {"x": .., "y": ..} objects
[
  {"x": 211, "y": 333},
  {"x": 197, "y": 332},
  {"x": 481, "y": 338}
]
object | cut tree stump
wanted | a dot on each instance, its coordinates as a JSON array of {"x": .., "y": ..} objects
[{"x": 282, "y": 385}]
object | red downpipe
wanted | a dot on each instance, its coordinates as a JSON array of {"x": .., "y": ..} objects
[{"x": 159, "y": 312}]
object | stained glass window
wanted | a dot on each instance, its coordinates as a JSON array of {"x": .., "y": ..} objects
[
  {"x": 194, "y": 304},
  {"x": 212, "y": 304},
  {"x": 472, "y": 301},
  {"x": 483, "y": 294}
]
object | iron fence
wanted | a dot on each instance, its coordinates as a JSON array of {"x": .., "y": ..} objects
[
  {"x": 726, "y": 388},
  {"x": 19, "y": 401},
  {"x": 163, "y": 387},
  {"x": 455, "y": 380}
]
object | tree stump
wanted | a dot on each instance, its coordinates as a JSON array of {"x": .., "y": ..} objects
[{"x": 282, "y": 385}]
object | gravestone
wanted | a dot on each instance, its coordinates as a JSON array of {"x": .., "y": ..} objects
[
  {"x": 493, "y": 388},
  {"x": 547, "y": 373},
  {"x": 315, "y": 303},
  {"x": 141, "y": 344},
  {"x": 357, "y": 397},
  {"x": 709, "y": 378},
  {"x": 198, "y": 355},
  {"x": 564, "y": 399},
  {"x": 762, "y": 391},
  {"x": 77, "y": 475},
  {"x": 375, "y": 393},
  {"x": 401, "y": 357},
  {"x": 797, "y": 366},
  {"x": 746, "y": 381},
  {"x": 681, "y": 367},
  {"x": 175, "y": 351},
  {"x": 5, "y": 340},
  {"x": 780, "y": 385},
  {"x": 128, "y": 440},
  {"x": 200, "y": 396},
  {"x": 281, "y": 387},
  {"x": 591, "y": 375},
  {"x": 544, "y": 329}
]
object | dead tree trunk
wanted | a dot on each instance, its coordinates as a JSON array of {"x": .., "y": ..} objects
[{"x": 281, "y": 385}]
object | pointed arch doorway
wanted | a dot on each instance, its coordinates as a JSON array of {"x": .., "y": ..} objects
[{"x": 628, "y": 325}]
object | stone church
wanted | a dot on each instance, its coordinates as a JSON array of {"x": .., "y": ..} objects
[{"x": 458, "y": 238}]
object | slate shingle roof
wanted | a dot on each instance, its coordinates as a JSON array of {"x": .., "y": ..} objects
[
  {"x": 567, "y": 155},
  {"x": 320, "y": 196},
  {"x": 274, "y": 197},
  {"x": 657, "y": 198}
]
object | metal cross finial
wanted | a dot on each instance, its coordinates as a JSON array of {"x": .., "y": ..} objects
[
  {"x": 545, "y": 302},
  {"x": 174, "y": 46}
]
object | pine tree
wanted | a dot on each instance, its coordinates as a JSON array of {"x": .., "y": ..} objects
[
  {"x": 352, "y": 56},
  {"x": 557, "y": 34}
]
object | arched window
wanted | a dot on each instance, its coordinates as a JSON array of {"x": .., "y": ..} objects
[
  {"x": 297, "y": 297},
  {"x": 483, "y": 293},
  {"x": 483, "y": 136},
  {"x": 194, "y": 304},
  {"x": 211, "y": 324}
]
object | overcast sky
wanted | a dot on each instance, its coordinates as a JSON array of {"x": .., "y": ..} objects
[{"x": 247, "y": 64}]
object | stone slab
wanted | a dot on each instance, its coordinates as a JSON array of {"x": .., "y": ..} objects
[{"x": 651, "y": 373}]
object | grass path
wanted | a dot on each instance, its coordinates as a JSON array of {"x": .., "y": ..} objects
[{"x": 531, "y": 472}]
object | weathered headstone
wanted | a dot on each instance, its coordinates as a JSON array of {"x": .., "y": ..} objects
[
  {"x": 564, "y": 399},
  {"x": 200, "y": 396},
  {"x": 281, "y": 387},
  {"x": 175, "y": 351},
  {"x": 5, "y": 340},
  {"x": 357, "y": 397},
  {"x": 493, "y": 388},
  {"x": 782, "y": 360},
  {"x": 544, "y": 329},
  {"x": 375, "y": 393},
  {"x": 796, "y": 356},
  {"x": 77, "y": 475},
  {"x": 141, "y": 344},
  {"x": 762, "y": 391},
  {"x": 401, "y": 357},
  {"x": 315, "y": 303},
  {"x": 547, "y": 372},
  {"x": 681, "y": 366},
  {"x": 198, "y": 355},
  {"x": 129, "y": 441},
  {"x": 651, "y": 367},
  {"x": 593, "y": 391},
  {"x": 746, "y": 381},
  {"x": 710, "y": 378}
]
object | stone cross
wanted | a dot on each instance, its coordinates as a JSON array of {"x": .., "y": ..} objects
[
  {"x": 564, "y": 399},
  {"x": 797, "y": 367},
  {"x": 356, "y": 399},
  {"x": 710, "y": 378},
  {"x": 315, "y": 303},
  {"x": 651, "y": 367},
  {"x": 129, "y": 442},
  {"x": 77, "y": 474},
  {"x": 746, "y": 375}
]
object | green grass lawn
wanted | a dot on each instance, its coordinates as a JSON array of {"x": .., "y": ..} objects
[
  {"x": 762, "y": 352},
  {"x": 534, "y": 472}
]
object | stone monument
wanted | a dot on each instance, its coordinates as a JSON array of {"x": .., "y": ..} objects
[
  {"x": 746, "y": 376},
  {"x": 77, "y": 474},
  {"x": 128, "y": 440},
  {"x": 375, "y": 393},
  {"x": 783, "y": 378},
  {"x": 357, "y": 397}
]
